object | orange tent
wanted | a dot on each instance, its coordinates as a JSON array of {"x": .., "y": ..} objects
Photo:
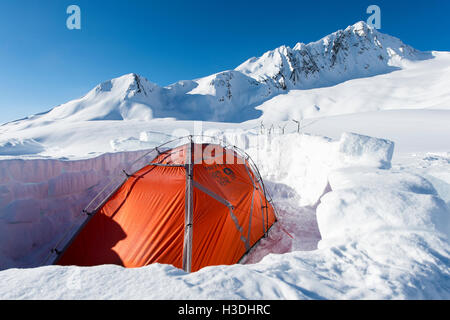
[{"x": 192, "y": 206}]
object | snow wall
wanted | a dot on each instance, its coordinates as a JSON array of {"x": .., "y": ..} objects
[{"x": 41, "y": 198}]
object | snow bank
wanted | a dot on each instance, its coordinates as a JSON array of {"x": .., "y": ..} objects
[
  {"x": 387, "y": 229},
  {"x": 304, "y": 161},
  {"x": 356, "y": 149},
  {"x": 348, "y": 178},
  {"x": 351, "y": 213},
  {"x": 364, "y": 202},
  {"x": 434, "y": 166},
  {"x": 299, "y": 161}
]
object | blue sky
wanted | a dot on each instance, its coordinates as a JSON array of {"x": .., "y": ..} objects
[{"x": 43, "y": 64}]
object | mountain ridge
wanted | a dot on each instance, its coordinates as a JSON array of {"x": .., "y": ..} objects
[{"x": 232, "y": 95}]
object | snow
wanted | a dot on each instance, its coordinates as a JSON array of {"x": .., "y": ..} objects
[
  {"x": 399, "y": 263},
  {"x": 358, "y": 51},
  {"x": 347, "y": 178},
  {"x": 116, "y": 99},
  {"x": 362, "y": 193},
  {"x": 364, "y": 209},
  {"x": 413, "y": 131},
  {"x": 419, "y": 85},
  {"x": 357, "y": 149},
  {"x": 17, "y": 147},
  {"x": 303, "y": 162}
]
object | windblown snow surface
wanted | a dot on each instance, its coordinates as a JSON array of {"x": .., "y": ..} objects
[{"x": 362, "y": 192}]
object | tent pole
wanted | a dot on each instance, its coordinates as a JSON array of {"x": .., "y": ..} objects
[{"x": 188, "y": 209}]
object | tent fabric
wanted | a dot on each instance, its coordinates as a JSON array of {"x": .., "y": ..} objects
[{"x": 143, "y": 222}]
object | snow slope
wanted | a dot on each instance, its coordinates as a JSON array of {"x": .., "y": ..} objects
[
  {"x": 418, "y": 130},
  {"x": 420, "y": 85}
]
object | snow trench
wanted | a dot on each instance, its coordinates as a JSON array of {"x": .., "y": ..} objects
[{"x": 41, "y": 199}]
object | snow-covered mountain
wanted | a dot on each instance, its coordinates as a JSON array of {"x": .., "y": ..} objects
[{"x": 356, "y": 52}]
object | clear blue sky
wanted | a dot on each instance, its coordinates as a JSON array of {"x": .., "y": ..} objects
[{"x": 43, "y": 64}]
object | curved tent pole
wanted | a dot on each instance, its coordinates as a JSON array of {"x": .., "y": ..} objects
[{"x": 261, "y": 180}]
